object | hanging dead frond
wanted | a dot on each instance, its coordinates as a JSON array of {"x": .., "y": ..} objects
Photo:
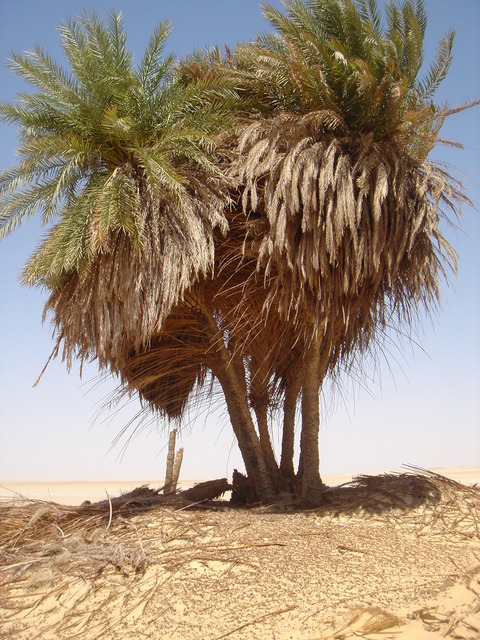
[
  {"x": 346, "y": 216},
  {"x": 120, "y": 302}
]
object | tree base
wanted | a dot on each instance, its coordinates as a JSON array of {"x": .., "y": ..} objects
[{"x": 243, "y": 492}]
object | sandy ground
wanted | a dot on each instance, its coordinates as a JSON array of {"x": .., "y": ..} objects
[{"x": 187, "y": 574}]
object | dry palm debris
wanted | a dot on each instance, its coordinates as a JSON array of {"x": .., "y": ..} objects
[{"x": 98, "y": 565}]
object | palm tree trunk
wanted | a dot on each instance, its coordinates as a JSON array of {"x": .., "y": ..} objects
[
  {"x": 170, "y": 462},
  {"x": 244, "y": 430},
  {"x": 309, "y": 445},
  {"x": 230, "y": 372},
  {"x": 265, "y": 440},
  {"x": 293, "y": 387}
]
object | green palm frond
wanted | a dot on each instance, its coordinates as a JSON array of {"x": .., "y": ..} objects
[
  {"x": 438, "y": 68},
  {"x": 154, "y": 68},
  {"x": 370, "y": 13},
  {"x": 70, "y": 244},
  {"x": 97, "y": 54},
  {"x": 40, "y": 70},
  {"x": 321, "y": 48},
  {"x": 137, "y": 134},
  {"x": 340, "y": 56},
  {"x": 118, "y": 206},
  {"x": 159, "y": 174}
]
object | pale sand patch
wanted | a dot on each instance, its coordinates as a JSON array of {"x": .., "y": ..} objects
[
  {"x": 74, "y": 492},
  {"x": 259, "y": 575},
  {"x": 465, "y": 475}
]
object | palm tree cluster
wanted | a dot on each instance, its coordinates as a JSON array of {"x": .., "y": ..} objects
[{"x": 256, "y": 218}]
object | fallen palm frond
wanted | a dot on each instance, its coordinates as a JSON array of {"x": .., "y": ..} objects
[
  {"x": 447, "y": 507},
  {"x": 52, "y": 553},
  {"x": 29, "y": 522},
  {"x": 374, "y": 494},
  {"x": 457, "y": 514},
  {"x": 368, "y": 620},
  {"x": 443, "y": 500}
]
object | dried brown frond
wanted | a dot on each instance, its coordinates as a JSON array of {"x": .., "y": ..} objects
[
  {"x": 120, "y": 302},
  {"x": 353, "y": 238}
]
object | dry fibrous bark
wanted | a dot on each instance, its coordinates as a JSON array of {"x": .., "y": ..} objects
[
  {"x": 170, "y": 462},
  {"x": 208, "y": 490},
  {"x": 243, "y": 489}
]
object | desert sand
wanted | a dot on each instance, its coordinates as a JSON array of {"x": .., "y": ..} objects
[{"x": 392, "y": 558}]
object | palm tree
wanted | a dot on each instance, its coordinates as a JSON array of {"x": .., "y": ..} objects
[
  {"x": 335, "y": 161},
  {"x": 125, "y": 167},
  {"x": 120, "y": 164}
]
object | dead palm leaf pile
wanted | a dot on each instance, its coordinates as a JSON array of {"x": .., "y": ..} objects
[{"x": 96, "y": 566}]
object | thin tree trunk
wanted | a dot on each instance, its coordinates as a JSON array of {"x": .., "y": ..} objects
[
  {"x": 176, "y": 469},
  {"x": 292, "y": 391},
  {"x": 245, "y": 433},
  {"x": 231, "y": 375},
  {"x": 265, "y": 440},
  {"x": 258, "y": 395},
  {"x": 170, "y": 461},
  {"x": 309, "y": 455}
]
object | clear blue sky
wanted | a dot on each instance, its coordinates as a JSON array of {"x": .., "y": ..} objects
[{"x": 424, "y": 407}]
